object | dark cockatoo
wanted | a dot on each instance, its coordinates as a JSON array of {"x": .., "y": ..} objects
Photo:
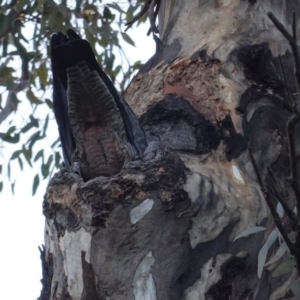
[{"x": 98, "y": 130}]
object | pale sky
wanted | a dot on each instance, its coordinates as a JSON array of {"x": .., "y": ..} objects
[{"x": 21, "y": 218}]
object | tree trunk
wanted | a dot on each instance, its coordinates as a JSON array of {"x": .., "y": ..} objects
[{"x": 164, "y": 228}]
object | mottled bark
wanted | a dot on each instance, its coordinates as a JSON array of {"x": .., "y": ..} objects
[{"x": 164, "y": 229}]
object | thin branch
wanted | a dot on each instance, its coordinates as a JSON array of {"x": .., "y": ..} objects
[
  {"x": 290, "y": 99},
  {"x": 152, "y": 14},
  {"x": 138, "y": 16},
  {"x": 293, "y": 44},
  {"x": 152, "y": 7},
  {"x": 293, "y": 250},
  {"x": 293, "y": 122},
  {"x": 294, "y": 27},
  {"x": 276, "y": 194}
]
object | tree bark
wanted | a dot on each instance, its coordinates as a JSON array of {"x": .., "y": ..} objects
[{"x": 164, "y": 228}]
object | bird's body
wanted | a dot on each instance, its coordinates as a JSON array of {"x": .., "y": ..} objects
[{"x": 97, "y": 128}]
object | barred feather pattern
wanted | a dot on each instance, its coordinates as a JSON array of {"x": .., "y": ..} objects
[{"x": 97, "y": 125}]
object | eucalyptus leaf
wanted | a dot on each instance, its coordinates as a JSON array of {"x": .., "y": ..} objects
[
  {"x": 279, "y": 253},
  {"x": 285, "y": 267},
  {"x": 127, "y": 38},
  {"x": 249, "y": 231},
  {"x": 262, "y": 255},
  {"x": 36, "y": 182}
]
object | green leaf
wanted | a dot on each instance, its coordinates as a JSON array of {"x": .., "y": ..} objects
[
  {"x": 42, "y": 73},
  {"x": 32, "y": 140},
  {"x": 10, "y": 139},
  {"x": 14, "y": 99},
  {"x": 262, "y": 255},
  {"x": 137, "y": 65},
  {"x": 8, "y": 170},
  {"x": 32, "y": 98},
  {"x": 10, "y": 130},
  {"x": 46, "y": 125},
  {"x": 55, "y": 143},
  {"x": 117, "y": 70},
  {"x": 1, "y": 186},
  {"x": 45, "y": 168},
  {"x": 279, "y": 253},
  {"x": 285, "y": 267},
  {"x": 127, "y": 38},
  {"x": 38, "y": 155},
  {"x": 20, "y": 163},
  {"x": 49, "y": 103},
  {"x": 36, "y": 182},
  {"x": 16, "y": 154},
  {"x": 6, "y": 72},
  {"x": 295, "y": 287},
  {"x": 27, "y": 154},
  {"x": 130, "y": 13},
  {"x": 33, "y": 123},
  {"x": 12, "y": 186},
  {"x": 57, "y": 160},
  {"x": 107, "y": 13}
]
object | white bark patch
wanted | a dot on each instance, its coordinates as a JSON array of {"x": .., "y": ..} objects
[
  {"x": 207, "y": 226},
  {"x": 235, "y": 199},
  {"x": 219, "y": 26},
  {"x": 237, "y": 174},
  {"x": 192, "y": 186},
  {"x": 143, "y": 283},
  {"x": 141, "y": 210},
  {"x": 50, "y": 238},
  {"x": 71, "y": 244},
  {"x": 210, "y": 274}
]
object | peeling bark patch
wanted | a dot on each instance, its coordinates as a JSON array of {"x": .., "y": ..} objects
[
  {"x": 235, "y": 143},
  {"x": 179, "y": 126},
  {"x": 104, "y": 194},
  {"x": 202, "y": 84},
  {"x": 89, "y": 288},
  {"x": 72, "y": 244},
  {"x": 143, "y": 283},
  {"x": 259, "y": 66},
  {"x": 206, "y": 227},
  {"x": 61, "y": 202},
  {"x": 178, "y": 90},
  {"x": 210, "y": 274},
  {"x": 266, "y": 132},
  {"x": 223, "y": 200},
  {"x": 231, "y": 268},
  {"x": 141, "y": 210},
  {"x": 47, "y": 268}
]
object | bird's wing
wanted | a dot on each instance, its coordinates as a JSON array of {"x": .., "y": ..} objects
[
  {"x": 60, "y": 105},
  {"x": 82, "y": 51}
]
